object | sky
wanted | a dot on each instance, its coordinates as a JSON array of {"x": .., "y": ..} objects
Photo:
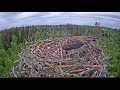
[{"x": 13, "y": 19}]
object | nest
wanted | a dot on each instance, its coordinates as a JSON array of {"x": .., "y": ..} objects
[{"x": 71, "y": 57}]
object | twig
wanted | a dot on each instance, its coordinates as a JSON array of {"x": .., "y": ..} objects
[
  {"x": 28, "y": 64},
  {"x": 79, "y": 70},
  {"x": 94, "y": 74},
  {"x": 16, "y": 67},
  {"x": 13, "y": 72},
  {"x": 100, "y": 73},
  {"x": 15, "y": 61},
  {"x": 71, "y": 74}
]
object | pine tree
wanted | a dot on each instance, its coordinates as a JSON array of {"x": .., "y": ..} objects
[
  {"x": 13, "y": 51},
  {"x": 14, "y": 39},
  {"x": 37, "y": 36}
]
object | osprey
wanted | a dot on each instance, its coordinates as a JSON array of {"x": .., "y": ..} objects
[{"x": 75, "y": 42}]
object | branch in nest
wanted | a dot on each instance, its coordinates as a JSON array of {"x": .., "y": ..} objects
[
  {"x": 100, "y": 72},
  {"x": 13, "y": 71},
  {"x": 15, "y": 61},
  {"x": 78, "y": 70},
  {"x": 68, "y": 75},
  {"x": 16, "y": 67},
  {"x": 49, "y": 65}
]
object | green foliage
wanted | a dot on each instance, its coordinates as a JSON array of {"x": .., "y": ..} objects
[
  {"x": 112, "y": 50},
  {"x": 5, "y": 63},
  {"x": 56, "y": 34},
  {"x": 1, "y": 44},
  {"x": 37, "y": 36},
  {"x": 14, "y": 39},
  {"x": 43, "y": 35}
]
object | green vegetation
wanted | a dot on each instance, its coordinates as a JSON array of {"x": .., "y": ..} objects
[{"x": 14, "y": 39}]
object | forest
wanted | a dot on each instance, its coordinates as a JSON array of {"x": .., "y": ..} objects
[{"x": 13, "y": 40}]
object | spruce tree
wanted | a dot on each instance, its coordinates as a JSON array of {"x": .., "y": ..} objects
[
  {"x": 5, "y": 63},
  {"x": 1, "y": 44}
]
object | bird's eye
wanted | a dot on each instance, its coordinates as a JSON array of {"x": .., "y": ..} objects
[{"x": 66, "y": 52}]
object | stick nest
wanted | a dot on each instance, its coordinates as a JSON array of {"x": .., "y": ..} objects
[{"x": 67, "y": 58}]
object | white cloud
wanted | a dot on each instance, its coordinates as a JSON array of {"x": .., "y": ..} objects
[
  {"x": 26, "y": 14},
  {"x": 107, "y": 18},
  {"x": 52, "y": 14},
  {"x": 2, "y": 20}
]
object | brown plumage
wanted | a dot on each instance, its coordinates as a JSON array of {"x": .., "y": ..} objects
[{"x": 75, "y": 42}]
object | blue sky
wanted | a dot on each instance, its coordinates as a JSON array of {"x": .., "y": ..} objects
[{"x": 13, "y": 19}]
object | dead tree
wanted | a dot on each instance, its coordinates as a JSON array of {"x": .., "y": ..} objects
[{"x": 97, "y": 23}]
